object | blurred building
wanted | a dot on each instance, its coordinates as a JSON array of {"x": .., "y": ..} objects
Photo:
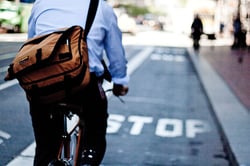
[
  {"x": 216, "y": 14},
  {"x": 135, "y": 2}
]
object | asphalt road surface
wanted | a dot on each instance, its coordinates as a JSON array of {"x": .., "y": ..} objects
[{"x": 166, "y": 119}]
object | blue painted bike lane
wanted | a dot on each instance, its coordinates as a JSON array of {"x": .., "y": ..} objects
[{"x": 166, "y": 118}]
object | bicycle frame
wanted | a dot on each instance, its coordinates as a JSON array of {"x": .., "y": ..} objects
[{"x": 69, "y": 151}]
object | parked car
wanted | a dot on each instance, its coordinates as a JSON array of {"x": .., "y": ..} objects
[
  {"x": 14, "y": 16},
  {"x": 153, "y": 22},
  {"x": 10, "y": 16}
]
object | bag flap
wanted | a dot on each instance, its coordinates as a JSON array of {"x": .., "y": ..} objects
[{"x": 35, "y": 51}]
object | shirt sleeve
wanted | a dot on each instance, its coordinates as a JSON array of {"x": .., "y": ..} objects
[
  {"x": 115, "y": 50},
  {"x": 31, "y": 25}
]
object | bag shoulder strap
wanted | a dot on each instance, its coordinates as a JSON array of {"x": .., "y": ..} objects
[{"x": 90, "y": 17}]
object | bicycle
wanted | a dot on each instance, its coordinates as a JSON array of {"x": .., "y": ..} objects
[{"x": 69, "y": 151}]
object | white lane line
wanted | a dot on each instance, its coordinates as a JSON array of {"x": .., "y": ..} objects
[
  {"x": 7, "y": 56},
  {"x": 4, "y": 135},
  {"x": 136, "y": 61},
  {"x": 26, "y": 157},
  {"x": 8, "y": 84},
  {"x": 133, "y": 64},
  {"x": 3, "y": 69}
]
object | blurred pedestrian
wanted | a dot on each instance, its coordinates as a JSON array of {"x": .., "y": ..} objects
[
  {"x": 237, "y": 30},
  {"x": 239, "y": 33},
  {"x": 197, "y": 31},
  {"x": 222, "y": 26}
]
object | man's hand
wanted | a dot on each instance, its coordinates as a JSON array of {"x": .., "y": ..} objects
[{"x": 120, "y": 90}]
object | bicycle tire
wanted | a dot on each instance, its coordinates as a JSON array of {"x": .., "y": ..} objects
[
  {"x": 59, "y": 162},
  {"x": 79, "y": 144}
]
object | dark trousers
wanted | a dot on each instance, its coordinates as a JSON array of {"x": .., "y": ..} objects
[{"x": 48, "y": 124}]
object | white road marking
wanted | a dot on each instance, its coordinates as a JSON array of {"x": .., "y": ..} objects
[
  {"x": 7, "y": 56},
  {"x": 8, "y": 84},
  {"x": 3, "y": 69},
  {"x": 167, "y": 57},
  {"x": 4, "y": 135}
]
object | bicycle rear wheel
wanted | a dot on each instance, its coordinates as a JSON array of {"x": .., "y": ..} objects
[{"x": 59, "y": 162}]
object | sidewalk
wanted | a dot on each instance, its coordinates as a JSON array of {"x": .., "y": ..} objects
[
  {"x": 233, "y": 65},
  {"x": 13, "y": 37},
  {"x": 225, "y": 75}
]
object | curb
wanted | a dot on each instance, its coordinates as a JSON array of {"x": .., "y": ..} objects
[{"x": 231, "y": 116}]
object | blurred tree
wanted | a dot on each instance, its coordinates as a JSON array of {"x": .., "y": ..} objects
[{"x": 135, "y": 10}]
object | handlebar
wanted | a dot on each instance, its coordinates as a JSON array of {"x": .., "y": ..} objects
[{"x": 119, "y": 97}]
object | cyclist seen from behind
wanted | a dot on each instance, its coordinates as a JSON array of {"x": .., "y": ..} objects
[{"x": 50, "y": 15}]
